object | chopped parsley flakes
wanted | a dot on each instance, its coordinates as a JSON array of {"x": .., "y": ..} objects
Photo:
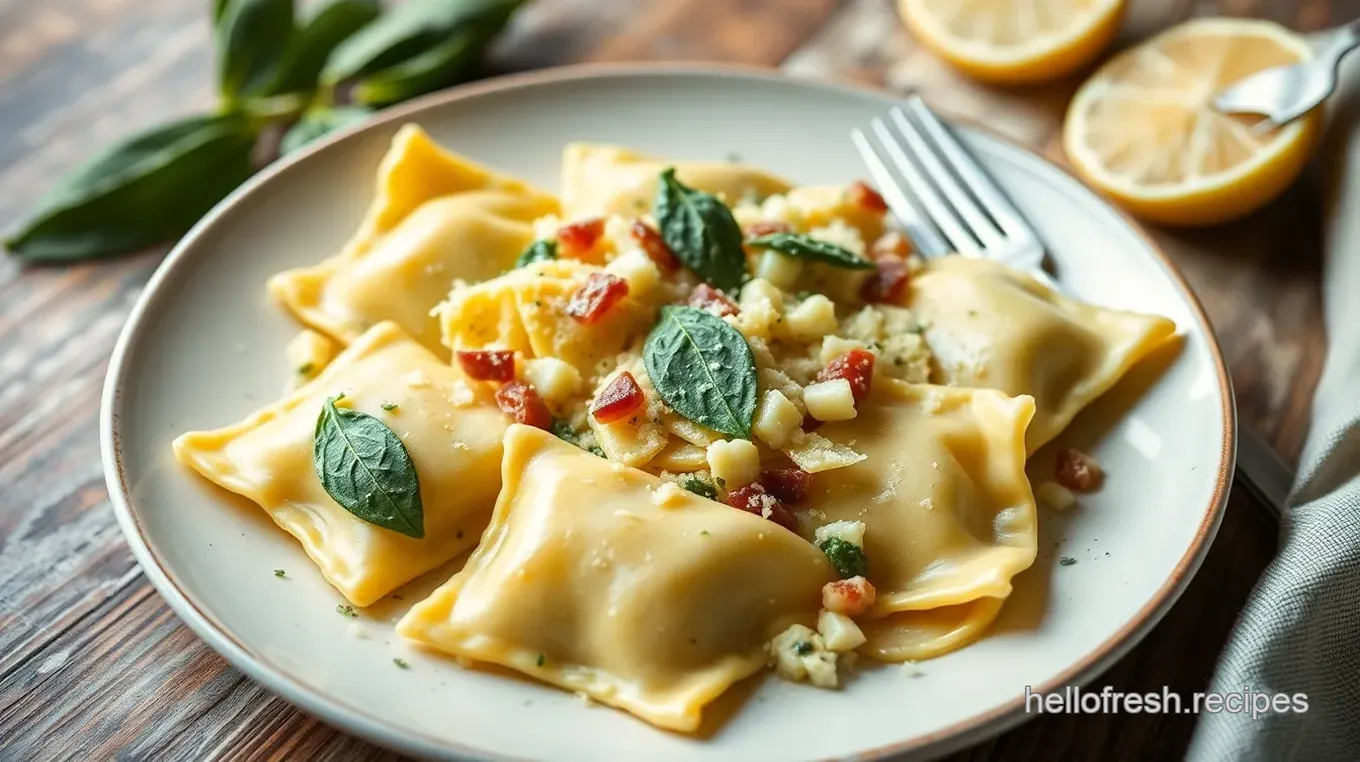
[
  {"x": 1067, "y": 561},
  {"x": 344, "y": 609},
  {"x": 699, "y": 487},
  {"x": 280, "y": 573},
  {"x": 847, "y": 557},
  {"x": 802, "y": 648},
  {"x": 541, "y": 659},
  {"x": 306, "y": 369},
  {"x": 400, "y": 662},
  {"x": 389, "y": 406}
]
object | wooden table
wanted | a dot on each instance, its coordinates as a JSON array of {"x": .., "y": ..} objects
[{"x": 92, "y": 662}]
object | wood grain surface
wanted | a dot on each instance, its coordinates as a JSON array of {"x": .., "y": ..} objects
[{"x": 93, "y": 665}]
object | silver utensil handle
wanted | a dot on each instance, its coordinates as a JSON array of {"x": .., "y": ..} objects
[
  {"x": 1337, "y": 43},
  {"x": 1262, "y": 473}
]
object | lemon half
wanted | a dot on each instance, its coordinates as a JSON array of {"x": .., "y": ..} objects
[
  {"x": 1011, "y": 42},
  {"x": 1142, "y": 130}
]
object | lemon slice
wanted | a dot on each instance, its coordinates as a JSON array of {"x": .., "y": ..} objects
[
  {"x": 1011, "y": 42},
  {"x": 1142, "y": 129}
]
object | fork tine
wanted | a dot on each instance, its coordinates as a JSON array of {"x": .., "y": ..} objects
[
  {"x": 940, "y": 213},
  {"x": 922, "y": 233},
  {"x": 977, "y": 180},
  {"x": 927, "y": 156}
]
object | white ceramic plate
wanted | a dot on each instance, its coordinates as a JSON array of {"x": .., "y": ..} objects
[{"x": 204, "y": 347}]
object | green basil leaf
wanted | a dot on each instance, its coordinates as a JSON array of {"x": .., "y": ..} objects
[
  {"x": 140, "y": 192},
  {"x": 252, "y": 39},
  {"x": 413, "y": 30},
  {"x": 318, "y": 122},
  {"x": 329, "y": 24},
  {"x": 701, "y": 231},
  {"x": 807, "y": 247},
  {"x": 365, "y": 468},
  {"x": 539, "y": 251},
  {"x": 704, "y": 369},
  {"x": 436, "y": 68}
]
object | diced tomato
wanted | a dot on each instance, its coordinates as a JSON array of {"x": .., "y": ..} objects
[
  {"x": 888, "y": 283},
  {"x": 753, "y": 498},
  {"x": 578, "y": 238},
  {"x": 600, "y": 292},
  {"x": 618, "y": 400},
  {"x": 862, "y": 195},
  {"x": 790, "y": 485},
  {"x": 757, "y": 229},
  {"x": 706, "y": 297},
  {"x": 650, "y": 241},
  {"x": 1076, "y": 470},
  {"x": 855, "y": 366},
  {"x": 891, "y": 244},
  {"x": 519, "y": 401},
  {"x": 487, "y": 364},
  {"x": 850, "y": 597}
]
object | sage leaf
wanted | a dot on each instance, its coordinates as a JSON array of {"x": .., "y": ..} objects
[
  {"x": 538, "y": 251},
  {"x": 252, "y": 38},
  {"x": 438, "y": 67},
  {"x": 807, "y": 247},
  {"x": 365, "y": 468},
  {"x": 703, "y": 368},
  {"x": 416, "y": 38},
  {"x": 318, "y": 122},
  {"x": 219, "y": 8},
  {"x": 701, "y": 231},
  {"x": 328, "y": 24},
  {"x": 140, "y": 192}
]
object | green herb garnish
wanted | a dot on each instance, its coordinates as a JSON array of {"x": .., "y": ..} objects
[
  {"x": 388, "y": 406},
  {"x": 701, "y": 231},
  {"x": 699, "y": 487},
  {"x": 847, "y": 557},
  {"x": 1067, "y": 560},
  {"x": 704, "y": 369},
  {"x": 279, "y": 572},
  {"x": 802, "y": 648},
  {"x": 365, "y": 468},
  {"x": 400, "y": 662},
  {"x": 806, "y": 247},
  {"x": 541, "y": 659},
  {"x": 344, "y": 609},
  {"x": 306, "y": 369},
  {"x": 539, "y": 251},
  {"x": 309, "y": 74}
]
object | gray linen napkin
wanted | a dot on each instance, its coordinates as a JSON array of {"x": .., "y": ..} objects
[{"x": 1300, "y": 629}]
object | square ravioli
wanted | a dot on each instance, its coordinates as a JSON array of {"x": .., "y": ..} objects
[
  {"x": 437, "y": 218},
  {"x": 602, "y": 579},
  {"x": 991, "y": 327},
  {"x": 451, "y": 432},
  {"x": 947, "y": 510}
]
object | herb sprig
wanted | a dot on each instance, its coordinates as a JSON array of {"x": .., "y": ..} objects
[
  {"x": 365, "y": 468},
  {"x": 701, "y": 231},
  {"x": 309, "y": 75}
]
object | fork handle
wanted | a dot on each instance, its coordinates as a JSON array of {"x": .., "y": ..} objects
[{"x": 1337, "y": 43}]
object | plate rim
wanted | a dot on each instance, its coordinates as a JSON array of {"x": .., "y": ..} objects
[{"x": 973, "y": 729}]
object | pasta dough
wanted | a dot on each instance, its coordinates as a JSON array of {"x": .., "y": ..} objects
[
  {"x": 452, "y": 435},
  {"x": 991, "y": 327},
  {"x": 597, "y": 578},
  {"x": 947, "y": 509},
  {"x": 437, "y": 217},
  {"x": 604, "y": 179}
]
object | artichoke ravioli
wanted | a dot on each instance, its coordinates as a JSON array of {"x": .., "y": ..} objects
[
  {"x": 451, "y": 432},
  {"x": 603, "y": 579},
  {"x": 437, "y": 218},
  {"x": 823, "y": 461},
  {"x": 947, "y": 510},
  {"x": 989, "y": 326}
]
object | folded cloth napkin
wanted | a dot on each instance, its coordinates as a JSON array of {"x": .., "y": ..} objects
[{"x": 1300, "y": 630}]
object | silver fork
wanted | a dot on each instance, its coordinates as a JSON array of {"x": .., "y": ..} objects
[{"x": 948, "y": 204}]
